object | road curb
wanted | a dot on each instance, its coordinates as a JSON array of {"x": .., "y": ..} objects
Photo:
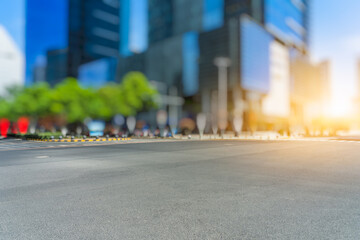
[{"x": 79, "y": 140}]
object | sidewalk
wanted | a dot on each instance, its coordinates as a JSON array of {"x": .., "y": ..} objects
[{"x": 231, "y": 136}]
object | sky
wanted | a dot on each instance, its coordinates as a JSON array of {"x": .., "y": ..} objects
[
  {"x": 334, "y": 35},
  {"x": 12, "y": 18}
]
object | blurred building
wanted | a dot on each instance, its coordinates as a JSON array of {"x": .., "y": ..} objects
[
  {"x": 173, "y": 27},
  {"x": 236, "y": 8},
  {"x": 72, "y": 33},
  {"x": 171, "y": 56},
  {"x": 276, "y": 103},
  {"x": 161, "y": 18},
  {"x": 98, "y": 73},
  {"x": 357, "y": 99},
  {"x": 358, "y": 78},
  {"x": 311, "y": 93},
  {"x": 93, "y": 32},
  {"x": 11, "y": 62},
  {"x": 56, "y": 66},
  {"x": 358, "y": 75},
  {"x": 175, "y": 43},
  {"x": 257, "y": 36},
  {"x": 169, "y": 18}
]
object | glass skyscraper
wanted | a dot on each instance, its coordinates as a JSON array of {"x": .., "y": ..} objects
[
  {"x": 161, "y": 20},
  {"x": 287, "y": 20},
  {"x": 173, "y": 30},
  {"x": 97, "y": 73},
  {"x": 213, "y": 14},
  {"x": 93, "y": 32},
  {"x": 168, "y": 18},
  {"x": 69, "y": 33},
  {"x": 255, "y": 56}
]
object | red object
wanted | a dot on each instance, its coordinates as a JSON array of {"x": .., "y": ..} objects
[
  {"x": 14, "y": 128},
  {"x": 23, "y": 125},
  {"x": 4, "y": 126}
]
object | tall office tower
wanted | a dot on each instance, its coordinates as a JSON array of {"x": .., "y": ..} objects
[
  {"x": 161, "y": 20},
  {"x": 171, "y": 29},
  {"x": 241, "y": 38},
  {"x": 11, "y": 62},
  {"x": 325, "y": 79},
  {"x": 358, "y": 91},
  {"x": 93, "y": 32},
  {"x": 286, "y": 19},
  {"x": 311, "y": 88},
  {"x": 171, "y": 18},
  {"x": 62, "y": 35},
  {"x": 281, "y": 20},
  {"x": 212, "y": 14},
  {"x": 187, "y": 16},
  {"x": 253, "y": 8},
  {"x": 56, "y": 66},
  {"x": 257, "y": 37}
]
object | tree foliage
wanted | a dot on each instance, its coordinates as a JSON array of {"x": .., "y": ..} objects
[
  {"x": 137, "y": 92},
  {"x": 4, "y": 108},
  {"x": 69, "y": 100},
  {"x": 32, "y": 101}
]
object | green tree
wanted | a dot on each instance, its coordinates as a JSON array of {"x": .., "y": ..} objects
[
  {"x": 71, "y": 101},
  {"x": 137, "y": 92},
  {"x": 4, "y": 108},
  {"x": 95, "y": 105},
  {"x": 31, "y": 101},
  {"x": 113, "y": 97},
  {"x": 134, "y": 94}
]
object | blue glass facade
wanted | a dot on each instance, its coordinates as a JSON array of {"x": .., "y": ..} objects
[
  {"x": 125, "y": 27},
  {"x": 56, "y": 66},
  {"x": 235, "y": 8},
  {"x": 64, "y": 34},
  {"x": 133, "y": 26},
  {"x": 93, "y": 33},
  {"x": 213, "y": 15},
  {"x": 255, "y": 56},
  {"x": 97, "y": 73},
  {"x": 161, "y": 20},
  {"x": 287, "y": 19},
  {"x": 190, "y": 70},
  {"x": 46, "y": 29}
]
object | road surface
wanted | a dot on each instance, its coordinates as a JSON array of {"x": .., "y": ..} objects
[{"x": 181, "y": 190}]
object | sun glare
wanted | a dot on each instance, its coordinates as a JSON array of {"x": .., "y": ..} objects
[{"x": 340, "y": 107}]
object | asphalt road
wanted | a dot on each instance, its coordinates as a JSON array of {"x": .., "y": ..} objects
[{"x": 182, "y": 190}]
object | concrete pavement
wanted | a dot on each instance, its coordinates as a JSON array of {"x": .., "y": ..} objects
[{"x": 182, "y": 190}]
